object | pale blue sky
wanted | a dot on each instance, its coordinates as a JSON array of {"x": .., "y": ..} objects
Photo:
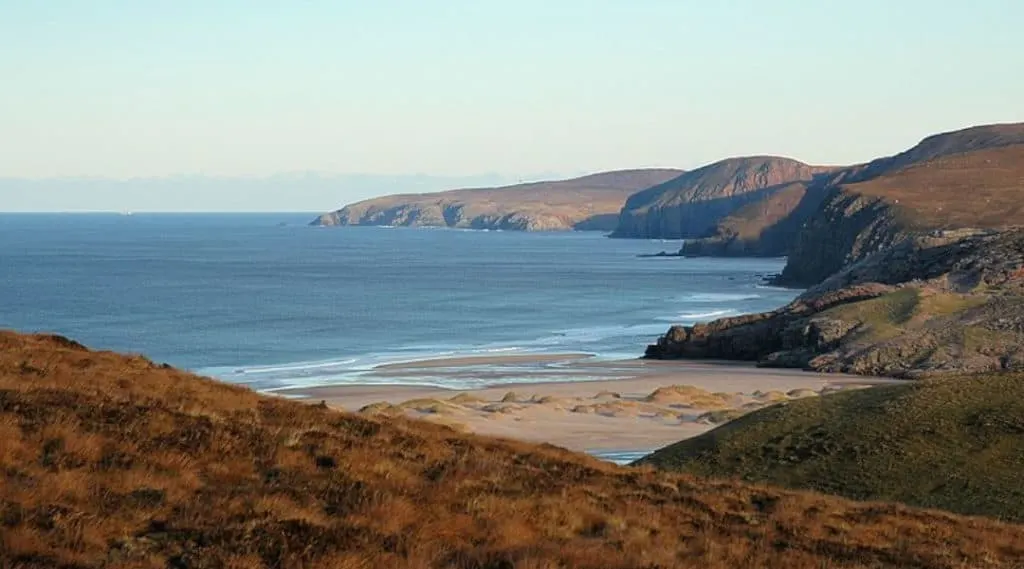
[{"x": 458, "y": 87}]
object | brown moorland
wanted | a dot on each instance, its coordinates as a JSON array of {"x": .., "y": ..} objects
[
  {"x": 114, "y": 461},
  {"x": 981, "y": 188}
]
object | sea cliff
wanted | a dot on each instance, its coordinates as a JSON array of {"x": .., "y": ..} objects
[{"x": 690, "y": 205}]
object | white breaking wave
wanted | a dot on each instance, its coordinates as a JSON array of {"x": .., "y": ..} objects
[
  {"x": 705, "y": 315},
  {"x": 301, "y": 366},
  {"x": 621, "y": 457},
  {"x": 718, "y": 297},
  {"x": 496, "y": 350}
]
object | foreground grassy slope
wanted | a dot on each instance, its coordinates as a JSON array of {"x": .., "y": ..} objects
[
  {"x": 955, "y": 443},
  {"x": 109, "y": 461}
]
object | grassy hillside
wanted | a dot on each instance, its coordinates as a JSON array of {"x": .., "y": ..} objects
[
  {"x": 939, "y": 145},
  {"x": 956, "y": 444},
  {"x": 982, "y": 188},
  {"x": 116, "y": 462}
]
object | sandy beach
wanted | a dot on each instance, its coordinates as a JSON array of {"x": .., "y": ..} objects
[{"x": 601, "y": 407}]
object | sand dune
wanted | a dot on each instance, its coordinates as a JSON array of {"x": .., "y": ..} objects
[{"x": 658, "y": 403}]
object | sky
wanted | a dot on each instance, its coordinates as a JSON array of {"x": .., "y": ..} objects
[{"x": 458, "y": 89}]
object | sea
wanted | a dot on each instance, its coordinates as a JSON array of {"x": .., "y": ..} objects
[{"x": 267, "y": 301}]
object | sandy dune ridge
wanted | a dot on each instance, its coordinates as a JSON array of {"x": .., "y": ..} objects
[{"x": 603, "y": 407}]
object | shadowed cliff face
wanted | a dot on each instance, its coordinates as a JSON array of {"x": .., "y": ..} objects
[
  {"x": 949, "y": 302},
  {"x": 763, "y": 228},
  {"x": 690, "y": 206},
  {"x": 587, "y": 203}
]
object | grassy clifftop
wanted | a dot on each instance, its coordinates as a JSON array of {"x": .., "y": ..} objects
[
  {"x": 113, "y": 461},
  {"x": 981, "y": 188},
  {"x": 955, "y": 443}
]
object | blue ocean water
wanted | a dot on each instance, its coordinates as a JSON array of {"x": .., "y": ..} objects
[{"x": 263, "y": 299}]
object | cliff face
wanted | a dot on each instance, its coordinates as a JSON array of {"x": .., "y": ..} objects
[
  {"x": 948, "y": 302},
  {"x": 844, "y": 228},
  {"x": 763, "y": 228},
  {"x": 962, "y": 179},
  {"x": 690, "y": 205},
  {"x": 587, "y": 203}
]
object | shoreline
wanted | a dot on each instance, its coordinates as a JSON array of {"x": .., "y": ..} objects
[{"x": 613, "y": 408}]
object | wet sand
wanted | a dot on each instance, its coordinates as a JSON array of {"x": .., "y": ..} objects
[
  {"x": 600, "y": 407},
  {"x": 484, "y": 361}
]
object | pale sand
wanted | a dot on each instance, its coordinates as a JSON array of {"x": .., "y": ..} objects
[{"x": 572, "y": 416}]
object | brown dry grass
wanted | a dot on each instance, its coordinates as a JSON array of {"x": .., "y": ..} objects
[
  {"x": 112, "y": 461},
  {"x": 981, "y": 188}
]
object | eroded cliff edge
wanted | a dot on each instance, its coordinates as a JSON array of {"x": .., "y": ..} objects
[{"x": 586, "y": 203}]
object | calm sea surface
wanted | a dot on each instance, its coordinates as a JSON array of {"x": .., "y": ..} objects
[{"x": 267, "y": 301}]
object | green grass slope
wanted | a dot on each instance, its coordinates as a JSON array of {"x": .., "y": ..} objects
[{"x": 953, "y": 444}]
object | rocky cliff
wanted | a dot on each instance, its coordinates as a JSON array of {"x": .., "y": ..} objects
[
  {"x": 586, "y": 203},
  {"x": 962, "y": 179},
  {"x": 946, "y": 302},
  {"x": 692, "y": 204},
  {"x": 763, "y": 228}
]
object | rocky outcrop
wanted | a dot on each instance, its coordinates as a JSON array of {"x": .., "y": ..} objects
[
  {"x": 947, "y": 302},
  {"x": 691, "y": 205},
  {"x": 587, "y": 203}
]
